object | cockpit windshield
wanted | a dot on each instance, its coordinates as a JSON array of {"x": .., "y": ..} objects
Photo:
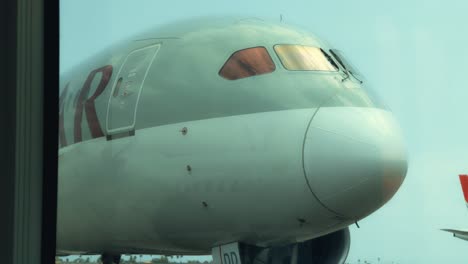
[{"x": 304, "y": 58}]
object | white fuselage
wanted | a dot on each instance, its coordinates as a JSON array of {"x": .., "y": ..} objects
[{"x": 252, "y": 183}]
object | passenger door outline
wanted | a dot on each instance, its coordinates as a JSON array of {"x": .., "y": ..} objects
[{"x": 134, "y": 70}]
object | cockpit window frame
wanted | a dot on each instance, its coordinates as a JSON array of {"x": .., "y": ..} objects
[{"x": 327, "y": 56}]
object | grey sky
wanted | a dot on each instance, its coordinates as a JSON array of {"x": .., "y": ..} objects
[{"x": 412, "y": 52}]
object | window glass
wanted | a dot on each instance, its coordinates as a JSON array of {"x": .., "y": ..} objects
[
  {"x": 304, "y": 58},
  {"x": 202, "y": 140},
  {"x": 246, "y": 63}
]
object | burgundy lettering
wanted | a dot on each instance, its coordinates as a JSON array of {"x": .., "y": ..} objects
[
  {"x": 88, "y": 104},
  {"x": 62, "y": 137}
]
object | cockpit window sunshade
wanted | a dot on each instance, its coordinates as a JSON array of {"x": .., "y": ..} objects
[
  {"x": 304, "y": 58},
  {"x": 246, "y": 63}
]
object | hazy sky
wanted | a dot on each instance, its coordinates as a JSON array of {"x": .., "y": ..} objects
[{"x": 415, "y": 55}]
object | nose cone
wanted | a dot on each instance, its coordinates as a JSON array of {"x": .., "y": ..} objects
[{"x": 354, "y": 159}]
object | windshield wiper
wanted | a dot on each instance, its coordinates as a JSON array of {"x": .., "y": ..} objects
[{"x": 346, "y": 71}]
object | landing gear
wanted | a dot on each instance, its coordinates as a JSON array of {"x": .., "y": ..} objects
[{"x": 107, "y": 258}]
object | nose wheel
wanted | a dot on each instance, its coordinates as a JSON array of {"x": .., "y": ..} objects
[{"x": 107, "y": 258}]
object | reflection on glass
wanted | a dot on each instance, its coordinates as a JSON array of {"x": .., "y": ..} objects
[
  {"x": 303, "y": 58},
  {"x": 246, "y": 63}
]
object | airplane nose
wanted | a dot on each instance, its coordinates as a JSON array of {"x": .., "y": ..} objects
[{"x": 354, "y": 159}]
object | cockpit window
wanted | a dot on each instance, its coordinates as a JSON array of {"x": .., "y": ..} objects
[
  {"x": 247, "y": 62},
  {"x": 304, "y": 58}
]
